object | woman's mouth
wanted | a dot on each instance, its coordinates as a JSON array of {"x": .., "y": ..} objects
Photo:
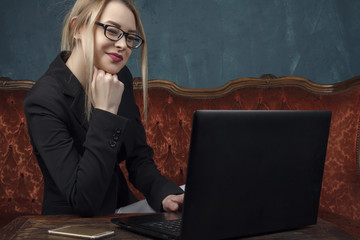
[{"x": 115, "y": 57}]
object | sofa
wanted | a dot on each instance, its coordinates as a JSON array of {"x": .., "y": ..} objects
[{"x": 168, "y": 127}]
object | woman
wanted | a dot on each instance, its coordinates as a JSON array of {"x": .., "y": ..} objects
[{"x": 83, "y": 120}]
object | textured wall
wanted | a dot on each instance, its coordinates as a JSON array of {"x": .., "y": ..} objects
[{"x": 204, "y": 43}]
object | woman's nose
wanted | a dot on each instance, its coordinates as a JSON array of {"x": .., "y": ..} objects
[{"x": 121, "y": 43}]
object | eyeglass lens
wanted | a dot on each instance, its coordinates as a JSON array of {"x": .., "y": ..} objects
[{"x": 115, "y": 34}]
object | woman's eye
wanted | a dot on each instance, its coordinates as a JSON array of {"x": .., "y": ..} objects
[
  {"x": 131, "y": 38},
  {"x": 112, "y": 31}
]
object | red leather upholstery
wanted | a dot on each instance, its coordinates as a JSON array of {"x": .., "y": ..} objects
[
  {"x": 21, "y": 179},
  {"x": 169, "y": 126}
]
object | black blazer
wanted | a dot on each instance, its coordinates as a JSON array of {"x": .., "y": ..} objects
[{"x": 79, "y": 158}]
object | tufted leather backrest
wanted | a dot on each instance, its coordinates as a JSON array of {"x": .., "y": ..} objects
[
  {"x": 20, "y": 177},
  {"x": 169, "y": 126}
]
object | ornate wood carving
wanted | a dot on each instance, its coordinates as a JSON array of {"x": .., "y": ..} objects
[
  {"x": 7, "y": 83},
  {"x": 266, "y": 81}
]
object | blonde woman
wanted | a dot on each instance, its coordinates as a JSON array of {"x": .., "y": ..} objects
[{"x": 83, "y": 120}]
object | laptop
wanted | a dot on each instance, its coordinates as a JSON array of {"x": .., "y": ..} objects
[{"x": 249, "y": 173}]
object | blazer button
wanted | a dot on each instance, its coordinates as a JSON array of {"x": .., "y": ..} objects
[
  {"x": 112, "y": 144},
  {"x": 116, "y": 137},
  {"x": 118, "y": 130}
]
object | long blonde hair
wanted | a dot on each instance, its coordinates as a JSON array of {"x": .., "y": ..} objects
[{"x": 87, "y": 12}]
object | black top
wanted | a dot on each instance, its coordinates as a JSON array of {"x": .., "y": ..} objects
[{"x": 80, "y": 159}]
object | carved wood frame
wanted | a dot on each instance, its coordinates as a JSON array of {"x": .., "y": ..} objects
[{"x": 265, "y": 81}]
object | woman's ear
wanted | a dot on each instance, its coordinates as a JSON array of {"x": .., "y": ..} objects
[
  {"x": 72, "y": 21},
  {"x": 77, "y": 32}
]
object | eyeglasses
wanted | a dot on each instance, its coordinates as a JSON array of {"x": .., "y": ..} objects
[{"x": 114, "y": 33}]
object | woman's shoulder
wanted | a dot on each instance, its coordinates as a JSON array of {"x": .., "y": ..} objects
[
  {"x": 46, "y": 96},
  {"x": 46, "y": 87}
]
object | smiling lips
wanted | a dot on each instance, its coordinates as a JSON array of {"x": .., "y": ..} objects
[{"x": 115, "y": 57}]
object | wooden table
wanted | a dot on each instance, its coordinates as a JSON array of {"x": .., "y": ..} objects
[{"x": 35, "y": 227}]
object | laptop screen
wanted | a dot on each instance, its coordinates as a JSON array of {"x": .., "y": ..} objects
[{"x": 252, "y": 172}]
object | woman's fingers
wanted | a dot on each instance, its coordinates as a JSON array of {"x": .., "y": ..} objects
[
  {"x": 107, "y": 91},
  {"x": 173, "y": 203}
]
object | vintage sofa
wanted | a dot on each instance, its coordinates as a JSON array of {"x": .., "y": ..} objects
[{"x": 168, "y": 132}]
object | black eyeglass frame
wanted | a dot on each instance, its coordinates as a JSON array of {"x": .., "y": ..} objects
[{"x": 123, "y": 33}]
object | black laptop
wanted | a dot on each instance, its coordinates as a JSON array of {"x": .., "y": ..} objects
[{"x": 249, "y": 173}]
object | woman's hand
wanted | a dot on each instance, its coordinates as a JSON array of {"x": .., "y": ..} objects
[
  {"x": 107, "y": 91},
  {"x": 173, "y": 203}
]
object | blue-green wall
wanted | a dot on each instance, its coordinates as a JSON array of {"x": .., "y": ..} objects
[{"x": 204, "y": 43}]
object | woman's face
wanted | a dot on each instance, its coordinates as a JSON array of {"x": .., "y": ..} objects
[{"x": 112, "y": 56}]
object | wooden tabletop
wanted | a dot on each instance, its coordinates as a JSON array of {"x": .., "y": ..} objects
[{"x": 36, "y": 227}]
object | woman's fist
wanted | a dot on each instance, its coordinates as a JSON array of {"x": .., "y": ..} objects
[{"x": 107, "y": 91}]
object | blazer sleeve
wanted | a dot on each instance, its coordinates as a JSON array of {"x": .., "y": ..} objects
[
  {"x": 143, "y": 172},
  {"x": 82, "y": 177}
]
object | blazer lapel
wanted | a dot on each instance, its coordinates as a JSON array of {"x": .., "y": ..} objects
[
  {"x": 71, "y": 87},
  {"x": 74, "y": 90},
  {"x": 78, "y": 109}
]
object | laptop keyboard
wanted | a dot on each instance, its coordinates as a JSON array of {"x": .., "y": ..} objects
[{"x": 168, "y": 225}]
